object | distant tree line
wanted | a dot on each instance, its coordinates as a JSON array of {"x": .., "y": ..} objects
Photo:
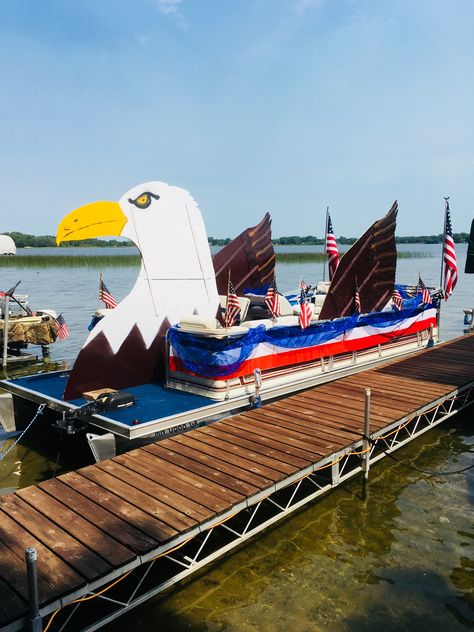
[
  {"x": 23, "y": 240},
  {"x": 311, "y": 240}
]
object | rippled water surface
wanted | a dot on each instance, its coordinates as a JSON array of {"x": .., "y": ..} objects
[{"x": 401, "y": 560}]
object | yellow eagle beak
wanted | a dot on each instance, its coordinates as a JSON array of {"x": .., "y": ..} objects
[{"x": 99, "y": 219}]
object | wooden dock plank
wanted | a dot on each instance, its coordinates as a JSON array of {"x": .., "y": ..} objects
[
  {"x": 129, "y": 536},
  {"x": 13, "y": 571},
  {"x": 259, "y": 477},
  {"x": 231, "y": 447},
  {"x": 258, "y": 448},
  {"x": 148, "y": 468},
  {"x": 139, "y": 499},
  {"x": 174, "y": 502},
  {"x": 261, "y": 421},
  {"x": 149, "y": 524},
  {"x": 281, "y": 420},
  {"x": 87, "y": 533},
  {"x": 202, "y": 465},
  {"x": 196, "y": 481},
  {"x": 50, "y": 567},
  {"x": 70, "y": 550},
  {"x": 317, "y": 430},
  {"x": 315, "y": 422},
  {"x": 249, "y": 425}
]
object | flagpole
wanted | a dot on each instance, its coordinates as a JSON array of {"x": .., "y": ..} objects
[
  {"x": 325, "y": 242},
  {"x": 227, "y": 302},
  {"x": 444, "y": 235},
  {"x": 438, "y": 315}
]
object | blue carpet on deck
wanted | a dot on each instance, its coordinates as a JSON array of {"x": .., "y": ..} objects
[{"x": 152, "y": 401}]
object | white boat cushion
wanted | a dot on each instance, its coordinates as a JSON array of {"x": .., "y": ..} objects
[
  {"x": 197, "y": 322},
  {"x": 286, "y": 321},
  {"x": 209, "y": 327}
]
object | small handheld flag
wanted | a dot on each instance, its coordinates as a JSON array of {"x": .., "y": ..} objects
[
  {"x": 304, "y": 286},
  {"x": 272, "y": 299},
  {"x": 449, "y": 256},
  {"x": 232, "y": 307},
  {"x": 331, "y": 248},
  {"x": 357, "y": 307},
  {"x": 305, "y": 311},
  {"x": 61, "y": 328},
  {"x": 397, "y": 299},
  {"x": 105, "y": 296},
  {"x": 423, "y": 290}
]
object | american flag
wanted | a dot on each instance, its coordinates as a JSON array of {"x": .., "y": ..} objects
[
  {"x": 423, "y": 290},
  {"x": 449, "y": 256},
  {"x": 305, "y": 311},
  {"x": 272, "y": 299},
  {"x": 61, "y": 328},
  {"x": 397, "y": 299},
  {"x": 106, "y": 296},
  {"x": 304, "y": 286},
  {"x": 232, "y": 306},
  {"x": 357, "y": 306},
  {"x": 331, "y": 249}
]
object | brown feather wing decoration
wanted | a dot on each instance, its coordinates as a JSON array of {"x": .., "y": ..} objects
[
  {"x": 370, "y": 264},
  {"x": 250, "y": 257}
]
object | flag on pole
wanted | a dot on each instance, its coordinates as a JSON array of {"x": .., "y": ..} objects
[
  {"x": 331, "y": 249},
  {"x": 423, "y": 290},
  {"x": 397, "y": 299},
  {"x": 449, "y": 256},
  {"x": 232, "y": 306},
  {"x": 304, "y": 286},
  {"x": 357, "y": 306},
  {"x": 305, "y": 311},
  {"x": 105, "y": 296},
  {"x": 61, "y": 328},
  {"x": 272, "y": 299}
]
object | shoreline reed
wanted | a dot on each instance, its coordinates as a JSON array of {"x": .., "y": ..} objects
[{"x": 114, "y": 261}]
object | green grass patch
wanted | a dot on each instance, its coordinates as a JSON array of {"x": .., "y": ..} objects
[
  {"x": 70, "y": 261},
  {"x": 124, "y": 261}
]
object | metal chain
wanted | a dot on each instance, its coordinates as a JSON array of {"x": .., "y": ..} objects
[{"x": 41, "y": 407}]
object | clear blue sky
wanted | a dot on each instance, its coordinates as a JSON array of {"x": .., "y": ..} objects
[{"x": 251, "y": 105}]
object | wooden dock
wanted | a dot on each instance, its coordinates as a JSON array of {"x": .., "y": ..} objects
[{"x": 111, "y": 535}]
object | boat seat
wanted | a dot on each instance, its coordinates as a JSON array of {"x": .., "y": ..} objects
[
  {"x": 209, "y": 327},
  {"x": 286, "y": 308},
  {"x": 285, "y": 321},
  {"x": 244, "y": 306},
  {"x": 322, "y": 287}
]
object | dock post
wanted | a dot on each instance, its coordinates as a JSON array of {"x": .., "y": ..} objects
[
  {"x": 35, "y": 623},
  {"x": 5, "y": 332},
  {"x": 366, "y": 445}
]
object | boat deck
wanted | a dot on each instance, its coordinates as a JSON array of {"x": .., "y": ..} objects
[
  {"x": 154, "y": 405},
  {"x": 154, "y": 509}
]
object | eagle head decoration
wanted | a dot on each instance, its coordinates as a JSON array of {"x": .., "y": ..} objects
[{"x": 176, "y": 279}]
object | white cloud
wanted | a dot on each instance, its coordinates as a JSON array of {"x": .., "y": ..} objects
[
  {"x": 172, "y": 8},
  {"x": 168, "y": 7}
]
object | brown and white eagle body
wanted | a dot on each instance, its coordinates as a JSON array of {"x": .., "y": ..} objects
[{"x": 176, "y": 279}]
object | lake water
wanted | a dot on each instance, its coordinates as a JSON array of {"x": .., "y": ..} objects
[{"x": 401, "y": 560}]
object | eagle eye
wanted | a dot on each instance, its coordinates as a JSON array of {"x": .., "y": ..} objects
[{"x": 144, "y": 199}]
